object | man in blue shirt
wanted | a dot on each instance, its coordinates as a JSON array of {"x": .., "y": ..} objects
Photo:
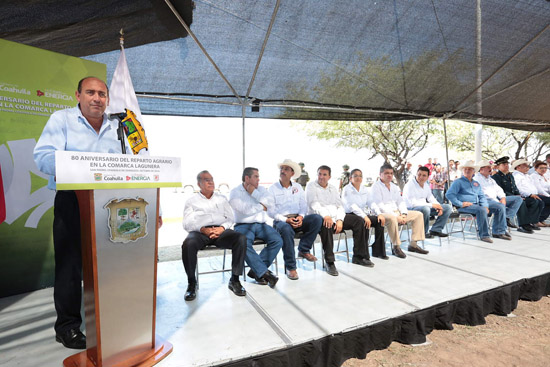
[
  {"x": 467, "y": 194},
  {"x": 83, "y": 128}
]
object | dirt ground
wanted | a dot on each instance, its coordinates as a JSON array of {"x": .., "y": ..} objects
[{"x": 523, "y": 340}]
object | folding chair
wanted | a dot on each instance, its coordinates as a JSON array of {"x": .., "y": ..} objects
[{"x": 258, "y": 241}]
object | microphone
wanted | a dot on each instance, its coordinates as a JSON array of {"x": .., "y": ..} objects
[{"x": 117, "y": 116}]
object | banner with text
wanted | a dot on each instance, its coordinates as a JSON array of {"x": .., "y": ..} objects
[
  {"x": 34, "y": 83},
  {"x": 89, "y": 171}
]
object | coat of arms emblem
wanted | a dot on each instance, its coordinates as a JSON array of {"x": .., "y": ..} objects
[{"x": 127, "y": 219}]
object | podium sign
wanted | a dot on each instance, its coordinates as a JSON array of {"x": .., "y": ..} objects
[{"x": 118, "y": 213}]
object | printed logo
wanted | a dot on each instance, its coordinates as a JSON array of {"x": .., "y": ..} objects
[
  {"x": 128, "y": 178},
  {"x": 113, "y": 178},
  {"x": 157, "y": 177},
  {"x": 127, "y": 219},
  {"x": 14, "y": 89},
  {"x": 97, "y": 176},
  {"x": 39, "y": 93}
]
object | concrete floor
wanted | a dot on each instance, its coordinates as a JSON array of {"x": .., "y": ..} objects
[{"x": 219, "y": 327}]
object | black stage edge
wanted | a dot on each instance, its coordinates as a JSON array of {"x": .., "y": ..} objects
[{"x": 408, "y": 329}]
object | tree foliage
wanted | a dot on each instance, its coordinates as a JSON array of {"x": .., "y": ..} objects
[
  {"x": 498, "y": 141},
  {"x": 395, "y": 141}
]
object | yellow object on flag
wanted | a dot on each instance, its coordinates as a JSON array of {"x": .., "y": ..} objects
[{"x": 134, "y": 132}]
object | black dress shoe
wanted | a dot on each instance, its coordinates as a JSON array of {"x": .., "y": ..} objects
[
  {"x": 417, "y": 249},
  {"x": 439, "y": 234},
  {"x": 396, "y": 250},
  {"x": 429, "y": 235},
  {"x": 191, "y": 292},
  {"x": 270, "y": 278},
  {"x": 362, "y": 262},
  {"x": 383, "y": 257},
  {"x": 502, "y": 237},
  {"x": 525, "y": 229},
  {"x": 260, "y": 281},
  {"x": 510, "y": 224},
  {"x": 73, "y": 339},
  {"x": 534, "y": 227},
  {"x": 331, "y": 269},
  {"x": 237, "y": 288}
]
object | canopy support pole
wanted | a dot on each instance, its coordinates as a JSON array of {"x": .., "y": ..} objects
[
  {"x": 244, "y": 141},
  {"x": 447, "y": 152},
  {"x": 177, "y": 14},
  {"x": 267, "y": 34},
  {"x": 479, "y": 111}
]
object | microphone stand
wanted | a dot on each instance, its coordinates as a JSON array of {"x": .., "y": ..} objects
[{"x": 120, "y": 133}]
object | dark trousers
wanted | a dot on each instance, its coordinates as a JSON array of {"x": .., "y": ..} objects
[
  {"x": 530, "y": 211},
  {"x": 67, "y": 291},
  {"x": 546, "y": 210},
  {"x": 360, "y": 248},
  {"x": 379, "y": 245},
  {"x": 360, "y": 239},
  {"x": 229, "y": 239}
]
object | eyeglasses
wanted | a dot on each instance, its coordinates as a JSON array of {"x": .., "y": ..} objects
[{"x": 357, "y": 176}]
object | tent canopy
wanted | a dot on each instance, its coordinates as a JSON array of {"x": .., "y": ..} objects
[{"x": 323, "y": 59}]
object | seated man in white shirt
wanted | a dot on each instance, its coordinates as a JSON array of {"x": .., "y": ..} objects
[
  {"x": 323, "y": 199},
  {"x": 250, "y": 202},
  {"x": 208, "y": 217},
  {"x": 419, "y": 197},
  {"x": 386, "y": 200},
  {"x": 495, "y": 194},
  {"x": 355, "y": 199},
  {"x": 543, "y": 188},
  {"x": 289, "y": 214},
  {"x": 527, "y": 188}
]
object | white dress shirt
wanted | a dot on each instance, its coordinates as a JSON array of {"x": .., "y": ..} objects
[
  {"x": 490, "y": 187},
  {"x": 389, "y": 201},
  {"x": 355, "y": 201},
  {"x": 415, "y": 195},
  {"x": 524, "y": 183},
  {"x": 291, "y": 200},
  {"x": 324, "y": 201},
  {"x": 541, "y": 183},
  {"x": 248, "y": 208},
  {"x": 201, "y": 212}
]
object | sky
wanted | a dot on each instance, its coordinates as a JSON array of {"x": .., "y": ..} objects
[{"x": 215, "y": 144}]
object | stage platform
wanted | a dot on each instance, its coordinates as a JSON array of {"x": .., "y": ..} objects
[{"x": 318, "y": 320}]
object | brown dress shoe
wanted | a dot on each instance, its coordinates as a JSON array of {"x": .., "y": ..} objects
[
  {"x": 307, "y": 256},
  {"x": 418, "y": 249},
  {"x": 292, "y": 274},
  {"x": 396, "y": 250}
]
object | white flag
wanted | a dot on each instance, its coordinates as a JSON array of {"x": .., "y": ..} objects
[
  {"x": 121, "y": 93},
  {"x": 122, "y": 97}
]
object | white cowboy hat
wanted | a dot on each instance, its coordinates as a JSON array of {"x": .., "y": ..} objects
[
  {"x": 293, "y": 165},
  {"x": 469, "y": 163},
  {"x": 518, "y": 162},
  {"x": 483, "y": 163}
]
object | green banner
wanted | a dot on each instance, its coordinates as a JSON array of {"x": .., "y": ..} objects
[{"x": 34, "y": 83}]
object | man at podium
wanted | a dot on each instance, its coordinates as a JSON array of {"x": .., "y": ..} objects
[{"x": 84, "y": 128}]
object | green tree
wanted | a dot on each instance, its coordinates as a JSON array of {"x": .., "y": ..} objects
[
  {"x": 395, "y": 141},
  {"x": 497, "y": 141}
]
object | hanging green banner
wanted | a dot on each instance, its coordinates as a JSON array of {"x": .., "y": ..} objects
[{"x": 34, "y": 83}]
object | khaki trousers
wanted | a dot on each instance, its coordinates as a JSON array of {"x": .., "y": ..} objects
[{"x": 417, "y": 223}]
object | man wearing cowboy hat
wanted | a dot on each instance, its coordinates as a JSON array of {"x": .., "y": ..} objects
[
  {"x": 530, "y": 209},
  {"x": 527, "y": 188},
  {"x": 466, "y": 194},
  {"x": 495, "y": 195},
  {"x": 289, "y": 214}
]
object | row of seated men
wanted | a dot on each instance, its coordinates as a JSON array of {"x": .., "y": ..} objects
[
  {"x": 504, "y": 195},
  {"x": 209, "y": 218}
]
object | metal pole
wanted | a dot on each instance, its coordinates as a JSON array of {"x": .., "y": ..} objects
[
  {"x": 479, "y": 126},
  {"x": 244, "y": 141},
  {"x": 447, "y": 152}
]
